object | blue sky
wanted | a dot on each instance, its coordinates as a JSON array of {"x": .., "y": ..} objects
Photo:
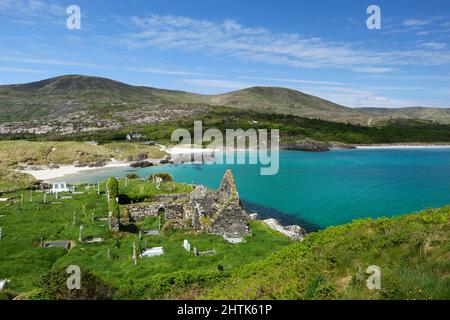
[{"x": 319, "y": 47}]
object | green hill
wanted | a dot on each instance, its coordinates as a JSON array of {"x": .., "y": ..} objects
[
  {"x": 439, "y": 115},
  {"x": 412, "y": 251}
]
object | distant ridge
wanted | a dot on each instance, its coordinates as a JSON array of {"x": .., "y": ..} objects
[{"x": 72, "y": 93}]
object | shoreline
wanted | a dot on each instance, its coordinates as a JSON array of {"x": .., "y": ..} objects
[
  {"x": 402, "y": 146},
  {"x": 64, "y": 170}
]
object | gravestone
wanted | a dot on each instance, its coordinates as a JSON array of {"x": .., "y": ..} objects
[
  {"x": 80, "y": 237},
  {"x": 158, "y": 181},
  {"x": 195, "y": 251},
  {"x": 186, "y": 245},
  {"x": 134, "y": 257}
]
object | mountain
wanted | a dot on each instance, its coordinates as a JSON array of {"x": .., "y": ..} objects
[
  {"x": 438, "y": 115},
  {"x": 106, "y": 99},
  {"x": 288, "y": 101}
]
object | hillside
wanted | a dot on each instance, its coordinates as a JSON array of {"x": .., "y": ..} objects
[
  {"x": 412, "y": 251},
  {"x": 288, "y": 101},
  {"x": 70, "y": 94},
  {"x": 438, "y": 115}
]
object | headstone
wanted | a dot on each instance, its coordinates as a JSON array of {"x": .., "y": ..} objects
[
  {"x": 186, "y": 245},
  {"x": 80, "y": 237},
  {"x": 134, "y": 257},
  {"x": 195, "y": 251},
  {"x": 158, "y": 181}
]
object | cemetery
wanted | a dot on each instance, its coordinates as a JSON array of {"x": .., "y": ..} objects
[{"x": 37, "y": 236}]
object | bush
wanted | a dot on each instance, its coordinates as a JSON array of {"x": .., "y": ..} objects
[
  {"x": 113, "y": 187},
  {"x": 132, "y": 176},
  {"x": 166, "y": 177},
  {"x": 53, "y": 286}
]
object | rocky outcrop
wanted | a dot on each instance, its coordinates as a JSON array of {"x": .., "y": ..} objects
[
  {"x": 294, "y": 232},
  {"x": 314, "y": 146},
  {"x": 142, "y": 164}
]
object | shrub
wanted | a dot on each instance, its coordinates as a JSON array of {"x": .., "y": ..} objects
[
  {"x": 166, "y": 177},
  {"x": 53, "y": 286},
  {"x": 132, "y": 176},
  {"x": 113, "y": 187}
]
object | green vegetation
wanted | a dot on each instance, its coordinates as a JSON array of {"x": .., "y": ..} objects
[
  {"x": 166, "y": 177},
  {"x": 113, "y": 188},
  {"x": 132, "y": 176},
  {"x": 25, "y": 262},
  {"x": 292, "y": 128},
  {"x": 412, "y": 252}
]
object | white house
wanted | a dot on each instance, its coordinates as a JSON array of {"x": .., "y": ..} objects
[
  {"x": 57, "y": 187},
  {"x": 134, "y": 136}
]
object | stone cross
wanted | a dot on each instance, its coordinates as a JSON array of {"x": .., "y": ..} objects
[{"x": 80, "y": 237}]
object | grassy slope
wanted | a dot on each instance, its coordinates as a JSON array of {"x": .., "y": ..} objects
[
  {"x": 23, "y": 262},
  {"x": 413, "y": 252}
]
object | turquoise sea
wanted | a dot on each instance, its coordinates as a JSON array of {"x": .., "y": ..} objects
[{"x": 318, "y": 190}]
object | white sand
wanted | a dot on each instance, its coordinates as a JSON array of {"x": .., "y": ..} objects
[
  {"x": 404, "y": 146},
  {"x": 63, "y": 170}
]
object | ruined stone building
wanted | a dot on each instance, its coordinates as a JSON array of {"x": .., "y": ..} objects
[{"x": 213, "y": 211}]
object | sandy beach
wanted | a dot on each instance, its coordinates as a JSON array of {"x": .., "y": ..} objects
[
  {"x": 63, "y": 170},
  {"x": 403, "y": 146}
]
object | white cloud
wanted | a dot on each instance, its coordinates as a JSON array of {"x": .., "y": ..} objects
[
  {"x": 255, "y": 44},
  {"x": 433, "y": 45},
  {"x": 415, "y": 23},
  {"x": 288, "y": 80},
  {"x": 20, "y": 70},
  {"x": 217, "y": 84}
]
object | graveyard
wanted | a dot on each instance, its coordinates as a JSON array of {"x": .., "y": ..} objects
[{"x": 43, "y": 231}]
